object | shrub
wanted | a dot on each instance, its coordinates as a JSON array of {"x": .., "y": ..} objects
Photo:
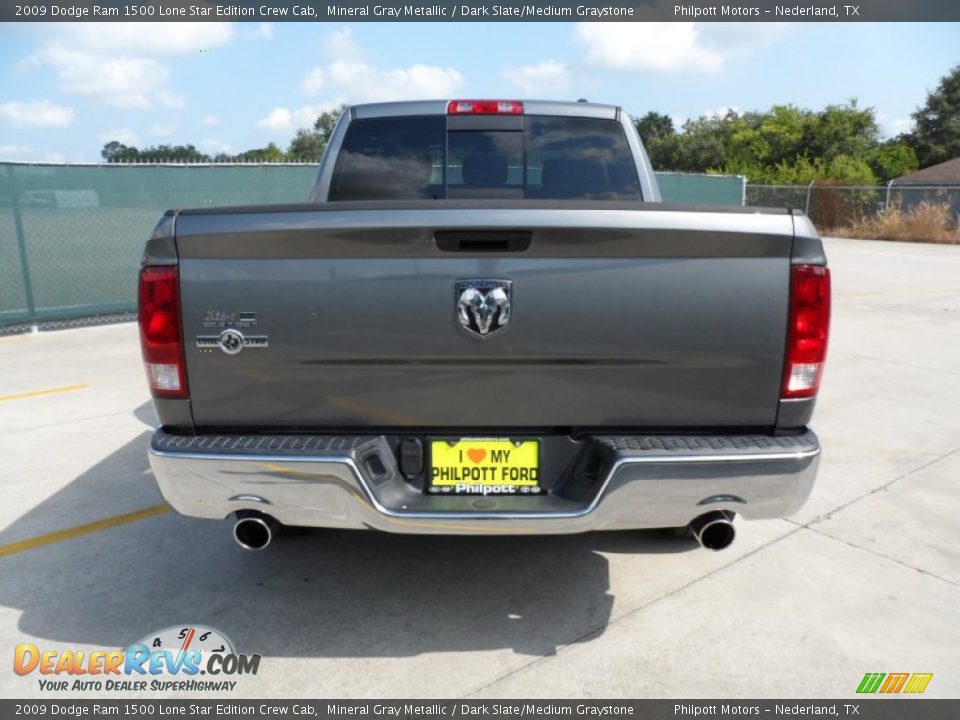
[{"x": 924, "y": 222}]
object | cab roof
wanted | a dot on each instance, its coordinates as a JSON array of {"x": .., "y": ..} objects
[{"x": 530, "y": 107}]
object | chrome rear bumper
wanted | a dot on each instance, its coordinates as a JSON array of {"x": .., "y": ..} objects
[{"x": 644, "y": 481}]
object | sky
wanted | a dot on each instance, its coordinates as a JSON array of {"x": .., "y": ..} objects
[{"x": 66, "y": 89}]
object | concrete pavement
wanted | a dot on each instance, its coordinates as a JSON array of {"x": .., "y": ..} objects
[{"x": 866, "y": 578}]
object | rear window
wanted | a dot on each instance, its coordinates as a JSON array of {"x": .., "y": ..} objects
[
  {"x": 398, "y": 158},
  {"x": 410, "y": 158}
]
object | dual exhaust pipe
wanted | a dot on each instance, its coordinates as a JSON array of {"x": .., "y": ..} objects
[
  {"x": 255, "y": 531},
  {"x": 714, "y": 530}
]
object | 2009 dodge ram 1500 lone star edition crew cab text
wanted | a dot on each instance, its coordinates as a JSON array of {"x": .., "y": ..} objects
[{"x": 484, "y": 321}]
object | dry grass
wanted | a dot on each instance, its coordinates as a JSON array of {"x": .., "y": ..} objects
[{"x": 925, "y": 222}]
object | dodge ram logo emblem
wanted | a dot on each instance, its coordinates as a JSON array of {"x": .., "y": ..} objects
[
  {"x": 232, "y": 341},
  {"x": 483, "y": 306}
]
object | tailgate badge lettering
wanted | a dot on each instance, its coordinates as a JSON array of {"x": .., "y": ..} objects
[
  {"x": 483, "y": 306},
  {"x": 223, "y": 318},
  {"x": 232, "y": 341}
]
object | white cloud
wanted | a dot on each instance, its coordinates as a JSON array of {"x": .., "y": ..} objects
[
  {"x": 116, "y": 63},
  {"x": 123, "y": 82},
  {"x": 672, "y": 47},
  {"x": 124, "y": 136},
  {"x": 893, "y": 126},
  {"x": 15, "y": 151},
  {"x": 146, "y": 38},
  {"x": 901, "y": 125},
  {"x": 41, "y": 113},
  {"x": 739, "y": 39},
  {"x": 161, "y": 130},
  {"x": 350, "y": 77},
  {"x": 647, "y": 47},
  {"x": 23, "y": 153},
  {"x": 267, "y": 31},
  {"x": 217, "y": 146},
  {"x": 545, "y": 78},
  {"x": 423, "y": 81},
  {"x": 211, "y": 121},
  {"x": 340, "y": 44},
  {"x": 359, "y": 81},
  {"x": 313, "y": 82},
  {"x": 282, "y": 119}
]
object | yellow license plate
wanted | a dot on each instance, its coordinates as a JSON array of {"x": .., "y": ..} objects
[{"x": 485, "y": 467}]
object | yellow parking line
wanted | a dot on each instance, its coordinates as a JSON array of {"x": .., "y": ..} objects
[
  {"x": 48, "y": 391},
  {"x": 96, "y": 526}
]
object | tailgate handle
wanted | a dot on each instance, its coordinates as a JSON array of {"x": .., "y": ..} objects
[{"x": 483, "y": 240}]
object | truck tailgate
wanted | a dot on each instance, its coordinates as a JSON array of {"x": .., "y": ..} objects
[{"x": 642, "y": 317}]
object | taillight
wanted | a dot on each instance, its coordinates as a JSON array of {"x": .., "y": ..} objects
[
  {"x": 807, "y": 331},
  {"x": 160, "y": 337},
  {"x": 485, "y": 107}
]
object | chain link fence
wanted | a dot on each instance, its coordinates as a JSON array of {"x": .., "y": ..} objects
[
  {"x": 71, "y": 236},
  {"x": 919, "y": 213}
]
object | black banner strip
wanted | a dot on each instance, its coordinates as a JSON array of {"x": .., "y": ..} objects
[
  {"x": 860, "y": 708},
  {"x": 482, "y": 11}
]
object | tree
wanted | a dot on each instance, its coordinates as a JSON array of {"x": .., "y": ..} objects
[
  {"x": 117, "y": 152},
  {"x": 654, "y": 126},
  {"x": 784, "y": 144},
  {"x": 308, "y": 145},
  {"x": 270, "y": 153},
  {"x": 892, "y": 159},
  {"x": 173, "y": 153},
  {"x": 936, "y": 136},
  {"x": 767, "y": 140},
  {"x": 842, "y": 130},
  {"x": 704, "y": 143},
  {"x": 659, "y": 138}
]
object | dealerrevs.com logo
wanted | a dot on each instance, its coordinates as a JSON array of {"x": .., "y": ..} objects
[
  {"x": 893, "y": 683},
  {"x": 173, "y": 659}
]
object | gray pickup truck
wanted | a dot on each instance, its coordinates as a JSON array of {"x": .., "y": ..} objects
[{"x": 484, "y": 321}]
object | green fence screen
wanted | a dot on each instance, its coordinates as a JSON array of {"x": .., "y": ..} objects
[
  {"x": 71, "y": 236},
  {"x": 702, "y": 189}
]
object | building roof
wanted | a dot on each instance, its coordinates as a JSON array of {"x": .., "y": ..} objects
[{"x": 944, "y": 173}]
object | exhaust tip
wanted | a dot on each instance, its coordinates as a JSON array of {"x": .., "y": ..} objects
[
  {"x": 714, "y": 530},
  {"x": 254, "y": 531}
]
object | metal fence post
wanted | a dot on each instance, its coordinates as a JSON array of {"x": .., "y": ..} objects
[
  {"x": 806, "y": 205},
  {"x": 21, "y": 244}
]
